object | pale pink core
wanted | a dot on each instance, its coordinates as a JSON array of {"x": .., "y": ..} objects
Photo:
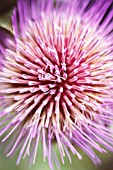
[{"x": 56, "y": 78}]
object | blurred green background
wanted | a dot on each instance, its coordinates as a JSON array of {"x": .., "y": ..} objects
[{"x": 10, "y": 163}]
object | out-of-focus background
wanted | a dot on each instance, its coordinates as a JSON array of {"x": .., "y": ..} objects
[{"x": 6, "y": 7}]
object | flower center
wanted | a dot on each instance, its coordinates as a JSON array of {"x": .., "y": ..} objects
[{"x": 52, "y": 77}]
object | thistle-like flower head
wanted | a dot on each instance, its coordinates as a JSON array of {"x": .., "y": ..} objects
[{"x": 56, "y": 78}]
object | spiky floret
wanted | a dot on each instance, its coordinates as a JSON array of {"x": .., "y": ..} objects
[{"x": 56, "y": 78}]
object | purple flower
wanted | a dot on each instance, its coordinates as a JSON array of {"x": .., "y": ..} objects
[{"x": 56, "y": 78}]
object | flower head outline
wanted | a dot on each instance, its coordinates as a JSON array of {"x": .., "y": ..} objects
[{"x": 56, "y": 78}]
